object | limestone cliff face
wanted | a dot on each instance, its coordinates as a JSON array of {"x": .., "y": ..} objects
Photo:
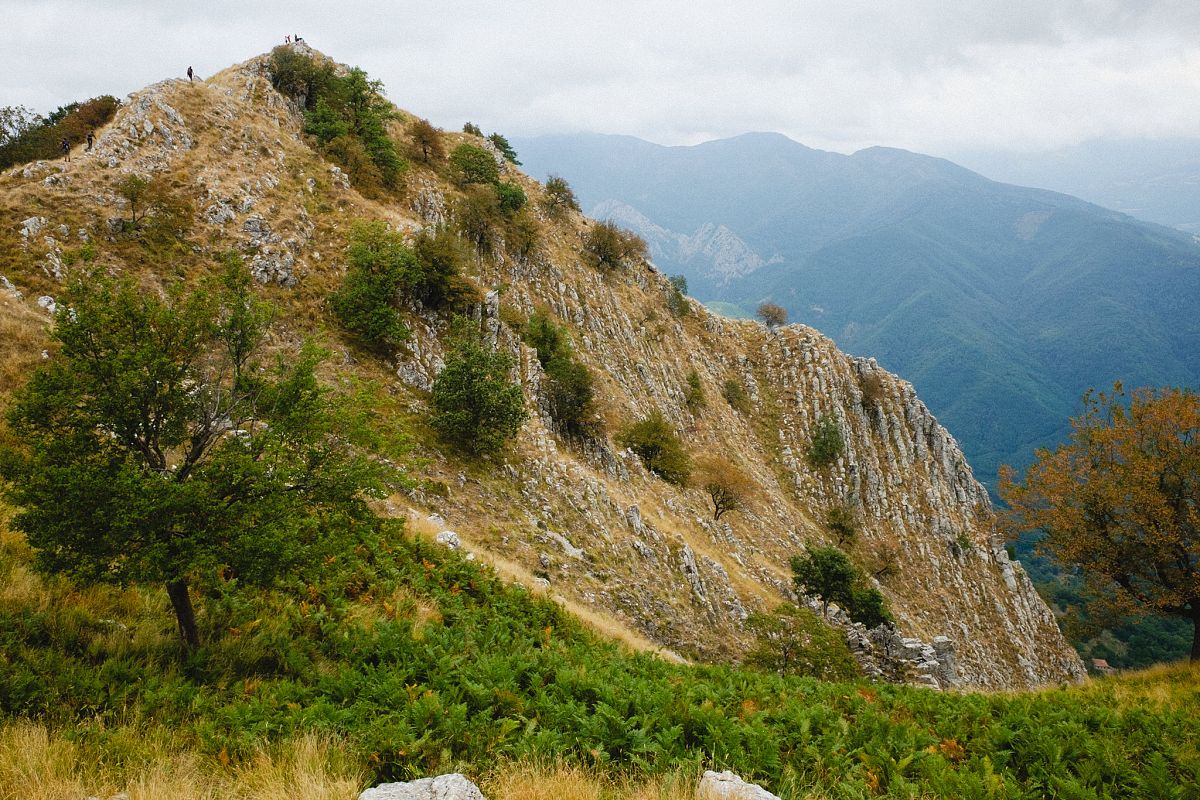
[{"x": 583, "y": 519}]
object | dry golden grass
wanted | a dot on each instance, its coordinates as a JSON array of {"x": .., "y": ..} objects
[
  {"x": 531, "y": 781},
  {"x": 36, "y": 764},
  {"x": 22, "y": 339},
  {"x": 1161, "y": 687}
]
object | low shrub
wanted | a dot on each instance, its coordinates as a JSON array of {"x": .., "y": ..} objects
[
  {"x": 346, "y": 114},
  {"x": 570, "y": 387},
  {"x": 693, "y": 395},
  {"x": 677, "y": 302},
  {"x": 736, "y": 395},
  {"x": 379, "y": 264},
  {"x": 607, "y": 246},
  {"x": 477, "y": 407},
  {"x": 826, "y": 444},
  {"x": 794, "y": 641},
  {"x": 655, "y": 442}
]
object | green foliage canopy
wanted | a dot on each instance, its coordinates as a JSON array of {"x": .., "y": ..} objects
[
  {"x": 506, "y": 149},
  {"x": 471, "y": 164},
  {"x": 346, "y": 114},
  {"x": 828, "y": 574},
  {"x": 794, "y": 641},
  {"x": 559, "y": 197},
  {"x": 379, "y": 264},
  {"x": 159, "y": 445},
  {"x": 570, "y": 391},
  {"x": 655, "y": 442},
  {"x": 476, "y": 405},
  {"x": 826, "y": 444}
]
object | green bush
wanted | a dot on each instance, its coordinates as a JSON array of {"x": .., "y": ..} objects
[
  {"x": 522, "y": 235},
  {"x": 476, "y": 405},
  {"x": 479, "y": 219},
  {"x": 826, "y": 445},
  {"x": 505, "y": 148},
  {"x": 347, "y": 115},
  {"x": 735, "y": 394},
  {"x": 473, "y": 129},
  {"x": 794, "y": 641},
  {"x": 378, "y": 265},
  {"x": 828, "y": 574},
  {"x": 693, "y": 395},
  {"x": 677, "y": 302},
  {"x": 299, "y": 76},
  {"x": 470, "y": 164},
  {"x": 569, "y": 387},
  {"x": 438, "y": 282},
  {"x": 511, "y": 196},
  {"x": 655, "y": 442}
]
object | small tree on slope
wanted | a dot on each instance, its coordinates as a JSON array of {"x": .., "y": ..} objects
[{"x": 158, "y": 446}]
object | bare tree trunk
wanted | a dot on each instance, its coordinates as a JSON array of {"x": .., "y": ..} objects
[
  {"x": 181, "y": 601},
  {"x": 1195, "y": 633}
]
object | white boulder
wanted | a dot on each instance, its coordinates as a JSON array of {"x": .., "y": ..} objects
[
  {"x": 444, "y": 787},
  {"x": 727, "y": 786}
]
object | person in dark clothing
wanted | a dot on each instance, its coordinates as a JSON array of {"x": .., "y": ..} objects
[
  {"x": 297, "y": 38},
  {"x": 91, "y": 137},
  {"x": 190, "y": 75},
  {"x": 287, "y": 39},
  {"x": 65, "y": 146}
]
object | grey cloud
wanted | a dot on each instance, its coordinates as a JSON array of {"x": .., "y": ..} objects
[{"x": 922, "y": 74}]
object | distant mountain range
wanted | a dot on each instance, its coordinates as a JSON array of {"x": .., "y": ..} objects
[
  {"x": 1002, "y": 304},
  {"x": 1154, "y": 180}
]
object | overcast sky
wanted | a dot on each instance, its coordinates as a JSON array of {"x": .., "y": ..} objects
[{"x": 935, "y": 76}]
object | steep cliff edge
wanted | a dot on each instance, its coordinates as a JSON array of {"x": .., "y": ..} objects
[{"x": 586, "y": 520}]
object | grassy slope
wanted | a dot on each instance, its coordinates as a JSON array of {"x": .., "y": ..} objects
[{"x": 409, "y": 660}]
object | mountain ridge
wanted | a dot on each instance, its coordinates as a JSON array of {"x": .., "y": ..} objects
[
  {"x": 971, "y": 288},
  {"x": 585, "y": 522}
]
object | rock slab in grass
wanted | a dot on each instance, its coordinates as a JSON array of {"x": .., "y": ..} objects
[
  {"x": 727, "y": 786},
  {"x": 443, "y": 787}
]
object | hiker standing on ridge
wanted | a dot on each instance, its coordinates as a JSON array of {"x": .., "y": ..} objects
[
  {"x": 190, "y": 75},
  {"x": 65, "y": 146},
  {"x": 91, "y": 137},
  {"x": 287, "y": 39}
]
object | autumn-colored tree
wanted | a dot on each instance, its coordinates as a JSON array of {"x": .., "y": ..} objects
[
  {"x": 426, "y": 142},
  {"x": 727, "y": 485},
  {"x": 772, "y": 314},
  {"x": 1121, "y": 499}
]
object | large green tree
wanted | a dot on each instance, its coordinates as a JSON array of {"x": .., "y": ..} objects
[
  {"x": 1120, "y": 501},
  {"x": 159, "y": 444}
]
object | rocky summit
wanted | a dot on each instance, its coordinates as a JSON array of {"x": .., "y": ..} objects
[{"x": 582, "y": 520}]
